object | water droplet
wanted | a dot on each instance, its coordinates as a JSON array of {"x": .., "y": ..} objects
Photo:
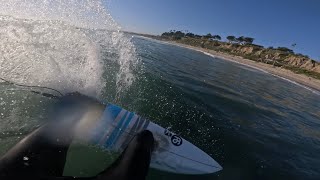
[{"x": 25, "y": 158}]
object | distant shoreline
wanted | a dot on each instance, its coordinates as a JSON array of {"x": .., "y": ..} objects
[{"x": 298, "y": 79}]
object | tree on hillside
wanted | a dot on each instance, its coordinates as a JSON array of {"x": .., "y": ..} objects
[
  {"x": 313, "y": 63},
  {"x": 284, "y": 49},
  {"x": 208, "y": 36},
  {"x": 244, "y": 40},
  {"x": 164, "y": 34},
  {"x": 190, "y": 35},
  {"x": 217, "y": 37},
  {"x": 179, "y": 34},
  {"x": 240, "y": 39},
  {"x": 173, "y": 34},
  {"x": 248, "y": 40},
  {"x": 231, "y": 38}
]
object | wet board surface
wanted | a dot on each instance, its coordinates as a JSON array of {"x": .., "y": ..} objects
[{"x": 117, "y": 126}]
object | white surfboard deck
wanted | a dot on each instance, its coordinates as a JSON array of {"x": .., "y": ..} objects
[{"x": 172, "y": 153}]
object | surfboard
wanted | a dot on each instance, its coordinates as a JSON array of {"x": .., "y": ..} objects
[{"x": 117, "y": 126}]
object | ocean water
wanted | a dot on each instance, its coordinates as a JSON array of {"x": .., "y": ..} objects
[{"x": 257, "y": 126}]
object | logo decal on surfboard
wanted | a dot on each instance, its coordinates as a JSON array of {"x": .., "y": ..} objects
[{"x": 175, "y": 139}]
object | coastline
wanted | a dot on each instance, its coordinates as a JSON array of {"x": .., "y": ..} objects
[{"x": 298, "y": 79}]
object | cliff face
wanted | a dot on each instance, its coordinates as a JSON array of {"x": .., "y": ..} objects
[
  {"x": 286, "y": 59},
  {"x": 304, "y": 62},
  {"x": 258, "y": 53}
]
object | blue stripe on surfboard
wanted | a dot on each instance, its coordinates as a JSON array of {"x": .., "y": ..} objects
[
  {"x": 141, "y": 121},
  {"x": 146, "y": 124},
  {"x": 123, "y": 128},
  {"x": 114, "y": 133},
  {"x": 132, "y": 131},
  {"x": 111, "y": 127},
  {"x": 113, "y": 111},
  {"x": 97, "y": 132}
]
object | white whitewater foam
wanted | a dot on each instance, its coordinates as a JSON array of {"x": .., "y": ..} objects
[
  {"x": 80, "y": 13},
  {"x": 49, "y": 53},
  {"x": 46, "y": 43}
]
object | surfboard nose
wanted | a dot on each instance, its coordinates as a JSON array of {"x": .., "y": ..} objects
[{"x": 212, "y": 166}]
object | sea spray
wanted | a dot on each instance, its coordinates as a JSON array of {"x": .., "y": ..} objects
[{"x": 48, "y": 43}]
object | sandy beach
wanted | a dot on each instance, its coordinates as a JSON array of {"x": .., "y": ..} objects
[{"x": 299, "y": 79}]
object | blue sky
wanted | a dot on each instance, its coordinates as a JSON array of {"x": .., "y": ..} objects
[{"x": 270, "y": 22}]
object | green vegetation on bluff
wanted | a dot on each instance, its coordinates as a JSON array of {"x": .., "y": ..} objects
[{"x": 243, "y": 47}]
